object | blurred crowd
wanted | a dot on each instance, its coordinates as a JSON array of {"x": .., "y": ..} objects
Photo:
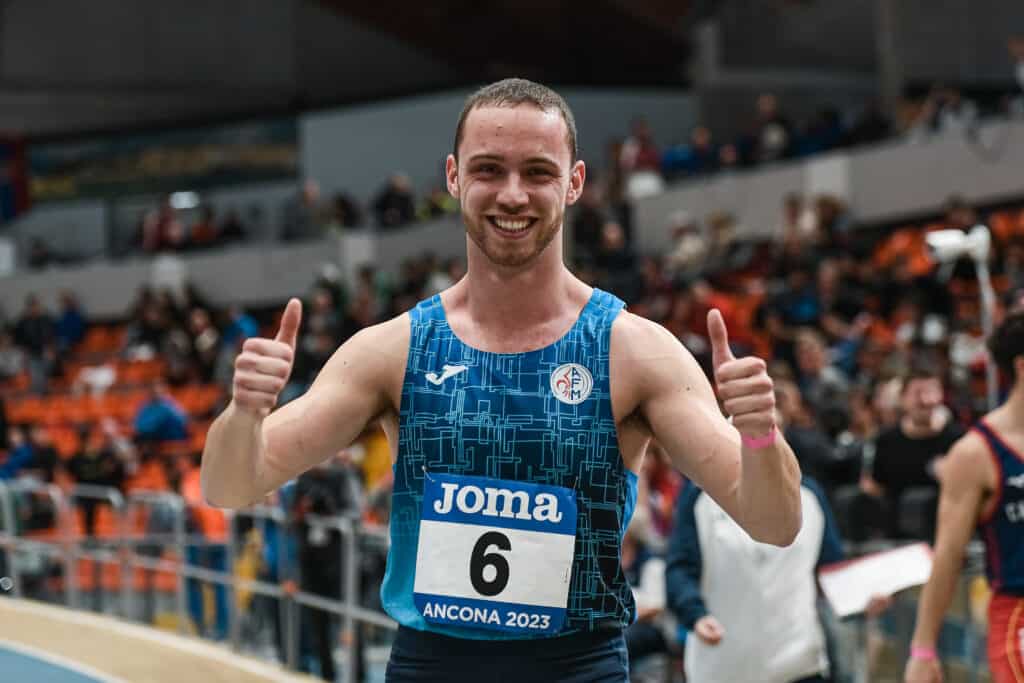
[{"x": 638, "y": 165}]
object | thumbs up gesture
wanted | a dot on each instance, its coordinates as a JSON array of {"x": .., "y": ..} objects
[
  {"x": 263, "y": 367},
  {"x": 746, "y": 390}
]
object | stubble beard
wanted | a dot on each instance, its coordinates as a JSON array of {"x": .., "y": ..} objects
[{"x": 513, "y": 258}]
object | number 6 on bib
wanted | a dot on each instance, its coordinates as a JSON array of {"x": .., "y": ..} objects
[{"x": 495, "y": 553}]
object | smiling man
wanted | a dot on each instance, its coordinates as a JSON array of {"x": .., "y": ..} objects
[{"x": 518, "y": 404}]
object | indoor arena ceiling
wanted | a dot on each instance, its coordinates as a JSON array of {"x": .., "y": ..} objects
[{"x": 572, "y": 41}]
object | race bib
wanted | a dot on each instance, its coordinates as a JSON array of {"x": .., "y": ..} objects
[{"x": 494, "y": 553}]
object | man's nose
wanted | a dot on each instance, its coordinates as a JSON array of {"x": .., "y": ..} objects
[{"x": 513, "y": 195}]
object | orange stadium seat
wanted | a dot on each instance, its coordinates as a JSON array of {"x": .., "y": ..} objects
[
  {"x": 141, "y": 371},
  {"x": 65, "y": 441},
  {"x": 1007, "y": 225},
  {"x": 103, "y": 339},
  {"x": 27, "y": 409}
]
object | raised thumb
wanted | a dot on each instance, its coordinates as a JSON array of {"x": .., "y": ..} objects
[
  {"x": 288, "y": 332},
  {"x": 720, "y": 351}
]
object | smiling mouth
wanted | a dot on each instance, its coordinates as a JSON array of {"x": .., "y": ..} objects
[{"x": 513, "y": 227}]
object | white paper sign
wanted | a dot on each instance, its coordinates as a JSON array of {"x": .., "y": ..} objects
[{"x": 849, "y": 586}]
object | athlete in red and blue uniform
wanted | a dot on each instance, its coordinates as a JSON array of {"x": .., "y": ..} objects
[{"x": 983, "y": 489}]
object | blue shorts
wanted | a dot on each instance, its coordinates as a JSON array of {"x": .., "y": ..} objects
[{"x": 592, "y": 657}]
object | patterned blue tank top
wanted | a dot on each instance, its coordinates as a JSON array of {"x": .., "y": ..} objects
[
  {"x": 1002, "y": 529},
  {"x": 539, "y": 421}
]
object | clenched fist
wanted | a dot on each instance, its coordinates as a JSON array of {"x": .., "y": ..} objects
[
  {"x": 746, "y": 390},
  {"x": 263, "y": 367}
]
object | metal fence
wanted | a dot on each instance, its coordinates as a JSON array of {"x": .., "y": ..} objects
[{"x": 147, "y": 562}]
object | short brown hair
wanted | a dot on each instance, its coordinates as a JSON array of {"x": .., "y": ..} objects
[
  {"x": 921, "y": 368},
  {"x": 512, "y": 92},
  {"x": 1007, "y": 343}
]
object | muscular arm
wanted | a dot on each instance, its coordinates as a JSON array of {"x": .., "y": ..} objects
[
  {"x": 964, "y": 486},
  {"x": 247, "y": 457},
  {"x": 760, "y": 489}
]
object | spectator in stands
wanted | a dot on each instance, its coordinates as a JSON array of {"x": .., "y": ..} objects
[
  {"x": 588, "y": 219},
  {"x": 729, "y": 158},
  {"x": 439, "y": 278},
  {"x": 751, "y": 608},
  {"x": 331, "y": 489},
  {"x": 34, "y": 331},
  {"x": 303, "y": 219},
  {"x": 347, "y": 213},
  {"x": 70, "y": 326},
  {"x": 205, "y": 343},
  {"x": 696, "y": 157},
  {"x": 4, "y": 427},
  {"x": 204, "y": 232},
  {"x": 640, "y": 162},
  {"x": 1015, "y": 102},
  {"x": 439, "y": 202},
  {"x": 822, "y": 132},
  {"x": 240, "y": 326},
  {"x": 162, "y": 229},
  {"x": 39, "y": 254},
  {"x": 20, "y": 455},
  {"x": 101, "y": 462},
  {"x": 652, "y": 631},
  {"x": 44, "y": 456},
  {"x": 160, "y": 418},
  {"x": 689, "y": 250},
  {"x": 13, "y": 361},
  {"x": 395, "y": 205},
  {"x": 907, "y": 454},
  {"x": 945, "y": 111},
  {"x": 208, "y": 529},
  {"x": 871, "y": 126},
  {"x": 773, "y": 133},
  {"x": 232, "y": 229},
  {"x": 811, "y": 445},
  {"x": 822, "y": 384},
  {"x": 616, "y": 262},
  {"x": 151, "y": 323},
  {"x": 658, "y": 490}
]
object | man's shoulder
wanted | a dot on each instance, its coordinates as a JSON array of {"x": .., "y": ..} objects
[
  {"x": 390, "y": 337},
  {"x": 638, "y": 338}
]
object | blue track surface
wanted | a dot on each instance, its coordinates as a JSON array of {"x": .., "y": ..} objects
[{"x": 16, "y": 666}]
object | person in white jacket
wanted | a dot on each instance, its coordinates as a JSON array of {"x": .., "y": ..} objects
[{"x": 751, "y": 609}]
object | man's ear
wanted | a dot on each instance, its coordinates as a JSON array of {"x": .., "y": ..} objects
[
  {"x": 576, "y": 180},
  {"x": 451, "y": 174}
]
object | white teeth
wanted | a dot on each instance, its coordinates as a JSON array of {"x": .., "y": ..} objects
[{"x": 511, "y": 225}]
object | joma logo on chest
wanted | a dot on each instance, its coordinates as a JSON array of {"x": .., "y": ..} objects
[{"x": 495, "y": 502}]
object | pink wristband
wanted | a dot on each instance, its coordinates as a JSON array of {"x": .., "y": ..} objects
[
  {"x": 759, "y": 441},
  {"x": 923, "y": 653}
]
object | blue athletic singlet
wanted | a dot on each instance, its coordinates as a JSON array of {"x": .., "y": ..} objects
[
  {"x": 510, "y": 494},
  {"x": 1002, "y": 529}
]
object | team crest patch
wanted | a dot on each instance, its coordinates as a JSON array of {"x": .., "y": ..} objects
[{"x": 571, "y": 383}]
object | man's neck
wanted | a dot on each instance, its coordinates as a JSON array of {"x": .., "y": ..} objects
[
  {"x": 916, "y": 430},
  {"x": 1014, "y": 405},
  {"x": 499, "y": 298}
]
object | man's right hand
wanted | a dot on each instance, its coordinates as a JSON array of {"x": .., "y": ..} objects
[
  {"x": 263, "y": 367},
  {"x": 709, "y": 630},
  {"x": 922, "y": 671}
]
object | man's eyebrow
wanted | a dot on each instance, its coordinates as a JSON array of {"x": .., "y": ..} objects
[{"x": 487, "y": 156}]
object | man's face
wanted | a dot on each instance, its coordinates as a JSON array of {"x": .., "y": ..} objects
[
  {"x": 513, "y": 180},
  {"x": 920, "y": 399}
]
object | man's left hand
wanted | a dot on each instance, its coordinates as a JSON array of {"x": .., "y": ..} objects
[{"x": 746, "y": 390}]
